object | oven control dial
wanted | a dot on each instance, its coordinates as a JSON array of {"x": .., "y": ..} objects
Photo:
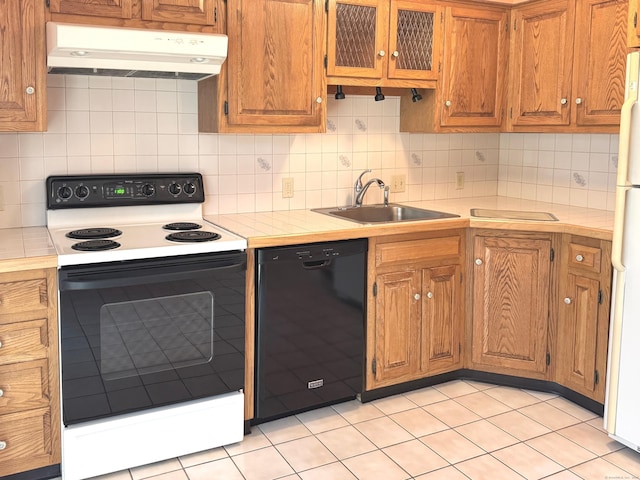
[
  {"x": 65, "y": 192},
  {"x": 175, "y": 189},
  {"x": 148, "y": 189},
  {"x": 82, "y": 191},
  {"x": 190, "y": 188}
]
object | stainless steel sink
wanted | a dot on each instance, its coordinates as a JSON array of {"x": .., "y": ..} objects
[{"x": 380, "y": 213}]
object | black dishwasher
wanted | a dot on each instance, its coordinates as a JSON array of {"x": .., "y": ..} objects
[{"x": 310, "y": 326}]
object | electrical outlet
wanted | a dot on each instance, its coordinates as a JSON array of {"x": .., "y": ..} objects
[
  {"x": 459, "y": 180},
  {"x": 398, "y": 183},
  {"x": 287, "y": 187}
]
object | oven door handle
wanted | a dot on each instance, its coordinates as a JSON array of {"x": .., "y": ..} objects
[{"x": 124, "y": 278}]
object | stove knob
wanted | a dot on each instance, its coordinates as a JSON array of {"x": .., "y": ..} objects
[
  {"x": 82, "y": 191},
  {"x": 175, "y": 189},
  {"x": 65, "y": 192},
  {"x": 189, "y": 188},
  {"x": 148, "y": 189}
]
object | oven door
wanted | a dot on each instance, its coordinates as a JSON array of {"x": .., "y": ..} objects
[{"x": 141, "y": 334}]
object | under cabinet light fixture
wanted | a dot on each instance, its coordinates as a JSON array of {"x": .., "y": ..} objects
[
  {"x": 415, "y": 96},
  {"x": 379, "y": 95},
  {"x": 339, "y": 93}
]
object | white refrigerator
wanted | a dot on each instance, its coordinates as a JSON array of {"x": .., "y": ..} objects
[{"x": 622, "y": 403}]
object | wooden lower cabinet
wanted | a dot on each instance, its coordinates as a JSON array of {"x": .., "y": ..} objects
[
  {"x": 511, "y": 290},
  {"x": 29, "y": 378},
  {"x": 418, "y": 304},
  {"x": 583, "y": 315}
]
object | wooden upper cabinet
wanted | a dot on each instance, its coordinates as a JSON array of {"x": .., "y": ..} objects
[
  {"x": 599, "y": 62},
  {"x": 383, "y": 42},
  {"x": 541, "y": 63},
  {"x": 474, "y": 67},
  {"x": 567, "y": 67},
  {"x": 511, "y": 289},
  {"x": 22, "y": 66},
  {"x": 274, "y": 68},
  {"x": 203, "y": 14},
  {"x": 95, "y": 8}
]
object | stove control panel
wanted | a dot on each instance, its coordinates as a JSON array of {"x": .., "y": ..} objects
[{"x": 123, "y": 190}]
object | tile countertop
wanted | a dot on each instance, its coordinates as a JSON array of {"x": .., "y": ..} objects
[
  {"x": 26, "y": 248},
  {"x": 266, "y": 229}
]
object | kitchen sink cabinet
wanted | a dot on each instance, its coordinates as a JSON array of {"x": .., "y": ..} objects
[
  {"x": 470, "y": 92},
  {"x": 512, "y": 286},
  {"x": 29, "y": 379},
  {"x": 567, "y": 66},
  {"x": 394, "y": 43},
  {"x": 137, "y": 13},
  {"x": 273, "y": 80},
  {"x": 583, "y": 317},
  {"x": 416, "y": 306},
  {"x": 23, "y": 66}
]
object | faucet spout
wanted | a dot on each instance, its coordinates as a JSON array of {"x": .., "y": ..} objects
[{"x": 360, "y": 195}]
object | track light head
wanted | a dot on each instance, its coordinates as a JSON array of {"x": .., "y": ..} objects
[
  {"x": 415, "y": 96},
  {"x": 379, "y": 95},
  {"x": 339, "y": 93}
]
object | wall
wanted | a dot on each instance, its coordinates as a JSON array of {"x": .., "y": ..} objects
[{"x": 109, "y": 125}]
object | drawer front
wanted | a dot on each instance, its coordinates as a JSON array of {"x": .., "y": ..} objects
[
  {"x": 23, "y": 342},
  {"x": 25, "y": 440},
  {"x": 24, "y": 386},
  {"x": 23, "y": 296},
  {"x": 415, "y": 251},
  {"x": 585, "y": 257}
]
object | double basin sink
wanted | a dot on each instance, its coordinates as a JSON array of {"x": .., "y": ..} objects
[{"x": 380, "y": 213}]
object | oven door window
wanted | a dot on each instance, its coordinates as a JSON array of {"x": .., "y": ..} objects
[{"x": 143, "y": 334}]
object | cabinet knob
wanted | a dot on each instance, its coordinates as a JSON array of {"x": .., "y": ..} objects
[
  {"x": 447, "y": 103},
  {"x": 30, "y": 90},
  {"x": 1, "y": 393},
  {"x": 567, "y": 300},
  {"x": 319, "y": 100},
  {"x": 3, "y": 445},
  {"x": 417, "y": 296},
  {"x": 429, "y": 295},
  {"x": 382, "y": 53},
  {"x": 478, "y": 261},
  {"x": 578, "y": 101},
  {"x": 0, "y": 344},
  {"x": 579, "y": 258},
  {"x": 563, "y": 101},
  {"x": 395, "y": 53}
]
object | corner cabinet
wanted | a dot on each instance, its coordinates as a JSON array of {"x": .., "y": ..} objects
[
  {"x": 383, "y": 42},
  {"x": 417, "y": 299},
  {"x": 188, "y": 12},
  {"x": 471, "y": 88},
  {"x": 29, "y": 378},
  {"x": 273, "y": 79},
  {"x": 567, "y": 66},
  {"x": 511, "y": 291},
  {"x": 23, "y": 66},
  {"x": 583, "y": 319}
]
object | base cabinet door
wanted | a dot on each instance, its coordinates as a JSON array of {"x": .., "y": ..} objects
[{"x": 511, "y": 288}]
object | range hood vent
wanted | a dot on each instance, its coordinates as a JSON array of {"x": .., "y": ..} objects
[{"x": 97, "y": 50}]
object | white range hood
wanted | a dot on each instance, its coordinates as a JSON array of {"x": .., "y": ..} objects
[{"x": 85, "y": 49}]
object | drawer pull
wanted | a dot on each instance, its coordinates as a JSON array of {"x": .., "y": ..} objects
[
  {"x": 3, "y": 445},
  {"x": 478, "y": 261},
  {"x": 579, "y": 258},
  {"x": 567, "y": 300},
  {"x": 417, "y": 296},
  {"x": 0, "y": 344},
  {"x": 429, "y": 295},
  {"x": 1, "y": 393}
]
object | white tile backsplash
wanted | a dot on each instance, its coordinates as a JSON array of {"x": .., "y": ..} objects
[{"x": 126, "y": 125}]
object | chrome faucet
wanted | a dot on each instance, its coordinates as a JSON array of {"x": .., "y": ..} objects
[{"x": 359, "y": 190}]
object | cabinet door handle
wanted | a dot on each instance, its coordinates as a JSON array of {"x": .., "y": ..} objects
[
  {"x": 30, "y": 90},
  {"x": 395, "y": 53},
  {"x": 478, "y": 261},
  {"x": 0, "y": 344},
  {"x": 1, "y": 393},
  {"x": 429, "y": 295},
  {"x": 578, "y": 101},
  {"x": 417, "y": 296},
  {"x": 3, "y": 445},
  {"x": 319, "y": 100},
  {"x": 447, "y": 103},
  {"x": 563, "y": 101},
  {"x": 567, "y": 300},
  {"x": 382, "y": 53},
  {"x": 579, "y": 258}
]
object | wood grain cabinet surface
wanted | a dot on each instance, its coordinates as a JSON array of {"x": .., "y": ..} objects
[
  {"x": 29, "y": 377},
  {"x": 567, "y": 66},
  {"x": 583, "y": 319},
  {"x": 383, "y": 42},
  {"x": 138, "y": 13},
  {"x": 22, "y": 66},
  {"x": 418, "y": 300},
  {"x": 471, "y": 88},
  {"x": 273, "y": 79}
]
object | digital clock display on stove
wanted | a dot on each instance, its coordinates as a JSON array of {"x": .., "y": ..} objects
[{"x": 119, "y": 191}]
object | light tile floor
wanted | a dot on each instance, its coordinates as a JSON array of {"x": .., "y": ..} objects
[{"x": 455, "y": 431}]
